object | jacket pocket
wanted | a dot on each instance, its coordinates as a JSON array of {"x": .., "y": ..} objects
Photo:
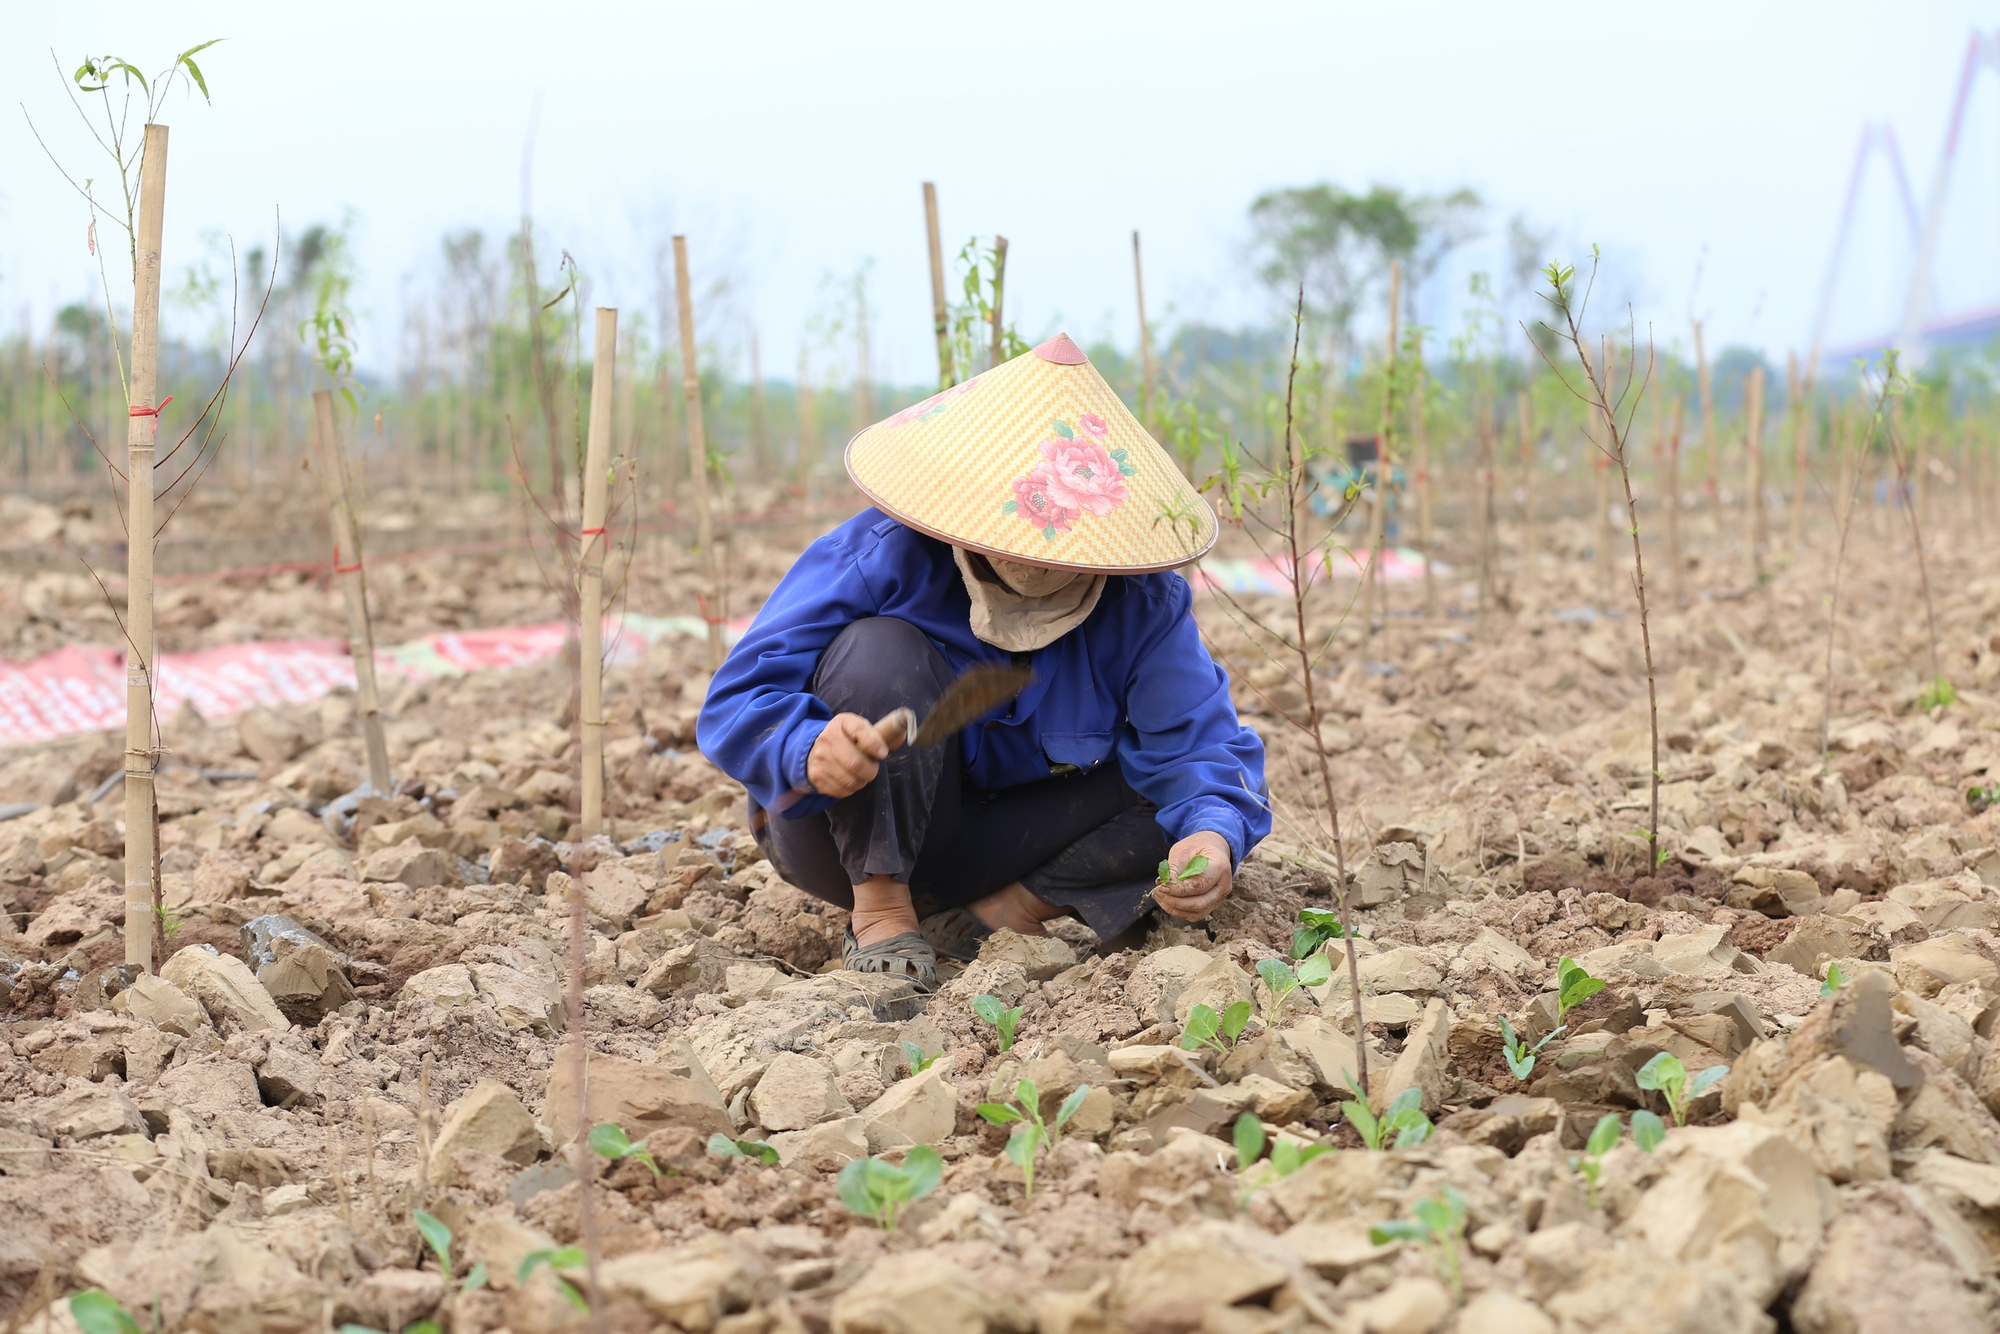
[{"x": 1081, "y": 750}]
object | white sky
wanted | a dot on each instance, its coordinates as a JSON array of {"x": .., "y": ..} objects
[{"x": 789, "y": 141}]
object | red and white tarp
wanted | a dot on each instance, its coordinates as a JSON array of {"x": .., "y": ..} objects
[{"x": 81, "y": 688}]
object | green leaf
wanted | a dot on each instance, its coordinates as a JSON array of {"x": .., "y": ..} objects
[
  {"x": 987, "y": 1008},
  {"x": 1412, "y": 1130},
  {"x": 1010, "y": 507},
  {"x": 1166, "y": 873},
  {"x": 1316, "y": 971},
  {"x": 1195, "y": 866},
  {"x": 1276, "y": 976},
  {"x": 1834, "y": 979},
  {"x": 1604, "y": 1135},
  {"x": 923, "y": 1168},
  {"x": 1305, "y": 940},
  {"x": 1647, "y": 1130},
  {"x": 1235, "y": 1019},
  {"x": 1323, "y": 919},
  {"x": 1202, "y": 1024},
  {"x": 437, "y": 1236},
  {"x": 1663, "y": 1073},
  {"x": 1008, "y": 1021},
  {"x": 1021, "y": 1145},
  {"x": 1396, "y": 1229},
  {"x": 609, "y": 1141},
  {"x": 1249, "y": 1137},
  {"x": 1029, "y": 1098},
  {"x": 1409, "y": 1100},
  {"x": 918, "y": 1061},
  {"x": 1062, "y": 428},
  {"x": 1070, "y": 1105},
  {"x": 1364, "y": 1123},
  {"x": 477, "y": 1279},
  {"x": 97, "y": 1312},
  {"x": 998, "y": 1113},
  {"x": 1705, "y": 1080},
  {"x": 852, "y": 1186}
]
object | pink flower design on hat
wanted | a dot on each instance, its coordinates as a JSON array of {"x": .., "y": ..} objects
[
  {"x": 1075, "y": 476},
  {"x": 1034, "y": 500},
  {"x": 1085, "y": 477}
]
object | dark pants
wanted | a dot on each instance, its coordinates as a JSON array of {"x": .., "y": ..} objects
[{"x": 1086, "y": 842}]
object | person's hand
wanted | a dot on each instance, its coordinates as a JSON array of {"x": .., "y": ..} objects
[
  {"x": 846, "y": 756},
  {"x": 1194, "y": 898}
]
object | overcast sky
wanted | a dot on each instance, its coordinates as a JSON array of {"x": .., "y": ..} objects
[{"x": 789, "y": 141}]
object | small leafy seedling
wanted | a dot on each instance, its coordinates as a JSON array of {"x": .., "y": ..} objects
[
  {"x": 876, "y": 1188},
  {"x": 1603, "y": 1138},
  {"x": 722, "y": 1146},
  {"x": 437, "y": 1236},
  {"x": 1281, "y": 981},
  {"x": 1437, "y": 1226},
  {"x": 1666, "y": 1075},
  {"x": 1647, "y": 1130},
  {"x": 1834, "y": 979},
  {"x": 918, "y": 1061},
  {"x": 571, "y": 1258},
  {"x": 1316, "y": 927},
  {"x": 1195, "y": 866},
  {"x": 1030, "y": 1132},
  {"x": 98, "y": 1312},
  {"x": 1403, "y": 1119},
  {"x": 993, "y": 1012},
  {"x": 1520, "y": 1056},
  {"x": 1206, "y": 1028},
  {"x": 1287, "y": 1155},
  {"x": 1574, "y": 986},
  {"x": 1979, "y": 798},
  {"x": 1939, "y": 694},
  {"x": 609, "y": 1141}
]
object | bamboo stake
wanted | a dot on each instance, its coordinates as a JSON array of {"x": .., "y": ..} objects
[
  {"x": 590, "y": 566},
  {"x": 1801, "y": 431},
  {"x": 1753, "y": 446},
  {"x": 993, "y": 358},
  {"x": 1528, "y": 540},
  {"x": 697, "y": 448},
  {"x": 1708, "y": 446},
  {"x": 1424, "y": 484},
  {"x": 1378, "y": 512},
  {"x": 331, "y": 465},
  {"x": 141, "y": 423},
  {"x": 1145, "y": 347},
  {"x": 940, "y": 319}
]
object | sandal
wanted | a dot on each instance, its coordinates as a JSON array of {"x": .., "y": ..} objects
[
  {"x": 905, "y": 955},
  {"x": 955, "y": 933}
]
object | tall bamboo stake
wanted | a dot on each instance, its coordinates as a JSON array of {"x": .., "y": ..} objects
[
  {"x": 1145, "y": 347},
  {"x": 697, "y": 449},
  {"x": 141, "y": 423},
  {"x": 1753, "y": 448},
  {"x": 1795, "y": 394},
  {"x": 590, "y": 566},
  {"x": 993, "y": 358},
  {"x": 1422, "y": 430},
  {"x": 1528, "y": 540},
  {"x": 940, "y": 319},
  {"x": 1710, "y": 452},
  {"x": 331, "y": 465},
  {"x": 1378, "y": 512}
]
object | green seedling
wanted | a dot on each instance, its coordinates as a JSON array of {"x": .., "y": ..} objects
[
  {"x": 1437, "y": 1226},
  {"x": 1979, "y": 798},
  {"x": 1666, "y": 1075},
  {"x": 608, "y": 1141},
  {"x": 1195, "y": 866},
  {"x": 437, "y": 1236},
  {"x": 918, "y": 1061},
  {"x": 1403, "y": 1119},
  {"x": 1603, "y": 1138},
  {"x": 1031, "y": 1131},
  {"x": 1939, "y": 694},
  {"x": 1316, "y": 927},
  {"x": 1833, "y": 981},
  {"x": 1647, "y": 1130},
  {"x": 1206, "y": 1028},
  {"x": 1287, "y": 1155},
  {"x": 1574, "y": 986},
  {"x": 98, "y": 1312},
  {"x": 993, "y": 1012},
  {"x": 1520, "y": 1056},
  {"x": 722, "y": 1146},
  {"x": 1281, "y": 981},
  {"x": 876, "y": 1188},
  {"x": 571, "y": 1258}
]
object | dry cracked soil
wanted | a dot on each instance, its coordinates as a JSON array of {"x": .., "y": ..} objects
[{"x": 361, "y": 1010}]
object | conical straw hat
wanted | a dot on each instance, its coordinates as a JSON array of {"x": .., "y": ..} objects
[{"x": 1035, "y": 460}]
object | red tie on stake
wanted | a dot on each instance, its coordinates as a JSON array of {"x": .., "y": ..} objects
[{"x": 154, "y": 413}]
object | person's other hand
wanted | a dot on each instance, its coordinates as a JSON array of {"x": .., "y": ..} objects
[
  {"x": 846, "y": 756},
  {"x": 1194, "y": 898}
]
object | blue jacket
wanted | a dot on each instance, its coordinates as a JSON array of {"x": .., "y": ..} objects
[{"x": 1132, "y": 680}]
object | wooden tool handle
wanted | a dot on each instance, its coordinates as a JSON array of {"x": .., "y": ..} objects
[{"x": 897, "y": 727}]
